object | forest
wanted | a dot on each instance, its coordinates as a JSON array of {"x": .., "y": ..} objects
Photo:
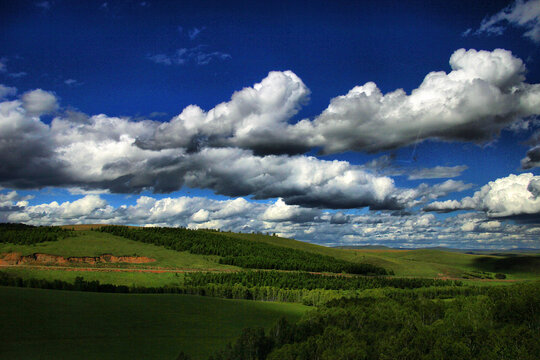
[
  {"x": 499, "y": 323},
  {"x": 242, "y": 253},
  {"x": 28, "y": 235}
]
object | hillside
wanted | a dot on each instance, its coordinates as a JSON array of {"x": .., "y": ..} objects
[
  {"x": 48, "y": 324},
  {"x": 432, "y": 263}
]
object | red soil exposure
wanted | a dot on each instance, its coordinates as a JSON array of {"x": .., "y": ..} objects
[{"x": 37, "y": 259}]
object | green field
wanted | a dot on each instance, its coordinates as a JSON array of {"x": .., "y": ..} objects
[{"x": 53, "y": 324}]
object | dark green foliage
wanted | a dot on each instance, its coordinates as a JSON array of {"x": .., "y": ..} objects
[
  {"x": 252, "y": 344},
  {"x": 242, "y": 253},
  {"x": 500, "y": 276},
  {"x": 509, "y": 263},
  {"x": 28, "y": 235},
  {"x": 502, "y": 323},
  {"x": 299, "y": 280},
  {"x": 183, "y": 356}
]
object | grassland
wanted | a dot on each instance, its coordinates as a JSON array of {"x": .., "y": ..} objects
[
  {"x": 421, "y": 262},
  {"x": 53, "y": 324},
  {"x": 404, "y": 263}
]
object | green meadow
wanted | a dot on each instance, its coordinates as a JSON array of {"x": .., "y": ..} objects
[{"x": 54, "y": 324}]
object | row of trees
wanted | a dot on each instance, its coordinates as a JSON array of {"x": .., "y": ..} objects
[
  {"x": 242, "y": 253},
  {"x": 307, "y": 296},
  {"x": 501, "y": 323},
  {"x": 302, "y": 280},
  {"x": 313, "y": 297},
  {"x": 28, "y": 235}
]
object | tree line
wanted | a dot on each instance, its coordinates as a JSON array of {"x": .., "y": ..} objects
[
  {"x": 262, "y": 292},
  {"x": 242, "y": 253},
  {"x": 22, "y": 234},
  {"x": 302, "y": 280}
]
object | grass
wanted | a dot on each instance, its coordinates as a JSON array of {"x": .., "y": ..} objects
[
  {"x": 146, "y": 279},
  {"x": 53, "y": 324}
]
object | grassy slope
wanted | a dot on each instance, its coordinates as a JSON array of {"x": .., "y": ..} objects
[
  {"x": 93, "y": 243},
  {"x": 422, "y": 263},
  {"x": 52, "y": 324}
]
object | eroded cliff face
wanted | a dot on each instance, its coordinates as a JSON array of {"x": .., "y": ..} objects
[{"x": 47, "y": 259}]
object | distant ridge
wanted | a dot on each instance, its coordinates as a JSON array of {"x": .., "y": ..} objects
[
  {"x": 366, "y": 247},
  {"x": 442, "y": 248}
]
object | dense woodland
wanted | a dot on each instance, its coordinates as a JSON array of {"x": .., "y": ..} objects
[
  {"x": 28, "y": 235},
  {"x": 242, "y": 253},
  {"x": 500, "y": 323}
]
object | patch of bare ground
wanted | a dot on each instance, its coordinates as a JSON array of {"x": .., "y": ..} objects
[{"x": 47, "y": 259}]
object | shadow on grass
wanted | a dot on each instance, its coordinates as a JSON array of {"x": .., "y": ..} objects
[{"x": 509, "y": 264}]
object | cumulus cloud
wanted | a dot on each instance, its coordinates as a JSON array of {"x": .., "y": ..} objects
[
  {"x": 38, "y": 102},
  {"x": 511, "y": 196},
  {"x": 482, "y": 94},
  {"x": 255, "y": 118},
  {"x": 120, "y": 155},
  {"x": 12, "y": 201},
  {"x": 532, "y": 159},
  {"x": 279, "y": 211},
  {"x": 523, "y": 14}
]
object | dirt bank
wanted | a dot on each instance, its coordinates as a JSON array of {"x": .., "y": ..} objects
[{"x": 47, "y": 259}]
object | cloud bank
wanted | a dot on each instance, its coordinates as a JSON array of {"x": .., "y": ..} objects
[
  {"x": 248, "y": 147},
  {"x": 329, "y": 228}
]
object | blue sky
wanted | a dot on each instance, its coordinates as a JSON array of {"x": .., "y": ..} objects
[{"x": 397, "y": 123}]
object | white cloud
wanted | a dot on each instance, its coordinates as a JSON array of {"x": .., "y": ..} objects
[
  {"x": 7, "y": 91},
  {"x": 255, "y": 117},
  {"x": 482, "y": 94},
  {"x": 514, "y": 195},
  {"x": 280, "y": 211},
  {"x": 38, "y": 102},
  {"x": 100, "y": 152},
  {"x": 413, "y": 230},
  {"x": 523, "y": 14},
  {"x": 198, "y": 55}
]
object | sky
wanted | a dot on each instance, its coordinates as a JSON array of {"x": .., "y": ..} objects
[{"x": 398, "y": 123}]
